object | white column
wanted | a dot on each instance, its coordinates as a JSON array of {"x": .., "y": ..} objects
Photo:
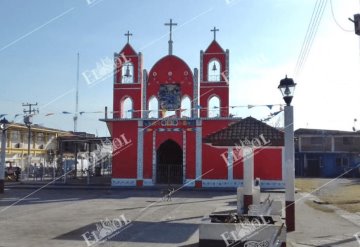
[
  {"x": 140, "y": 151},
  {"x": 290, "y": 169},
  {"x": 248, "y": 157},
  {"x": 198, "y": 149},
  {"x": 289, "y": 154},
  {"x": 230, "y": 165},
  {"x": 154, "y": 157},
  {"x": 184, "y": 156}
]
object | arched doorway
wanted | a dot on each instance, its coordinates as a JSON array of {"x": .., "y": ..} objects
[{"x": 169, "y": 168}]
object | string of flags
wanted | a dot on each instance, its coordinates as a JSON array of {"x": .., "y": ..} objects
[
  {"x": 271, "y": 115},
  {"x": 164, "y": 111}
]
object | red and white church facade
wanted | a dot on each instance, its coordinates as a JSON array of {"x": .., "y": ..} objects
[{"x": 173, "y": 126}]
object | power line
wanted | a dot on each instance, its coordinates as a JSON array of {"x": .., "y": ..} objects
[
  {"x": 310, "y": 35},
  {"x": 334, "y": 18},
  {"x": 305, "y": 39}
]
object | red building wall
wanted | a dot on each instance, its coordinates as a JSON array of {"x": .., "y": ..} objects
[
  {"x": 213, "y": 165},
  {"x": 268, "y": 163},
  {"x": 190, "y": 154},
  {"x": 132, "y": 90},
  {"x": 125, "y": 155}
]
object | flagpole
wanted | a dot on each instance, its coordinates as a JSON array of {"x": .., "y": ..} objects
[{"x": 77, "y": 94}]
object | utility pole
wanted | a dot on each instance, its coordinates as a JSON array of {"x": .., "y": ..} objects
[
  {"x": 3, "y": 128},
  {"x": 28, "y": 121}
]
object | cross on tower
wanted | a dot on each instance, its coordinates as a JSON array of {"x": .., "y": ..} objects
[
  {"x": 170, "y": 40},
  {"x": 128, "y": 34},
  {"x": 214, "y": 30}
]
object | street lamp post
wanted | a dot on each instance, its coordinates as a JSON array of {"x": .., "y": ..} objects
[
  {"x": 3, "y": 127},
  {"x": 287, "y": 87}
]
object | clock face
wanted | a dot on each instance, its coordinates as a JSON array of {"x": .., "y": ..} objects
[{"x": 169, "y": 97}]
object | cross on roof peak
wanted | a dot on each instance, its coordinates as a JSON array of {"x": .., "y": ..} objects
[
  {"x": 171, "y": 24},
  {"x": 215, "y": 30},
  {"x": 128, "y": 34}
]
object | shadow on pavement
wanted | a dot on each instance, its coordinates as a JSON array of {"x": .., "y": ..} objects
[{"x": 140, "y": 231}]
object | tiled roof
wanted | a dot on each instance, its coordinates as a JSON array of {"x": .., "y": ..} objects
[{"x": 246, "y": 129}]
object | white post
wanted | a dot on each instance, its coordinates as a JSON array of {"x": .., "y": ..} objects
[
  {"x": 290, "y": 168},
  {"x": 248, "y": 160},
  {"x": 2, "y": 164}
]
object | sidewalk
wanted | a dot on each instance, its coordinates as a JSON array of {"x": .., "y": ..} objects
[{"x": 317, "y": 228}]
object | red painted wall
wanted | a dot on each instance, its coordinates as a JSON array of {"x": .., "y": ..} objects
[
  {"x": 133, "y": 90},
  {"x": 208, "y": 90},
  {"x": 148, "y": 149},
  {"x": 123, "y": 91},
  {"x": 130, "y": 55},
  {"x": 170, "y": 70},
  {"x": 268, "y": 164},
  {"x": 190, "y": 154},
  {"x": 213, "y": 165},
  {"x": 124, "y": 163},
  {"x": 214, "y": 51}
]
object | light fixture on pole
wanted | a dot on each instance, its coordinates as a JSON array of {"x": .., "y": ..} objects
[
  {"x": 287, "y": 88},
  {"x": 3, "y": 128}
]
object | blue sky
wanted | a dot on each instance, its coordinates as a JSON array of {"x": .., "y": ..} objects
[{"x": 39, "y": 41}]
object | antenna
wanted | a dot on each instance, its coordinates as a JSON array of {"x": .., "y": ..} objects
[{"x": 77, "y": 94}]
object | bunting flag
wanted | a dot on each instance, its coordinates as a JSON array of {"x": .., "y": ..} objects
[
  {"x": 271, "y": 115},
  {"x": 163, "y": 112},
  {"x": 275, "y": 113},
  {"x": 16, "y": 115}
]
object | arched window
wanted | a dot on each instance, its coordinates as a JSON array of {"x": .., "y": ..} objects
[
  {"x": 186, "y": 107},
  {"x": 214, "y": 107},
  {"x": 127, "y": 73},
  {"x": 127, "y": 108},
  {"x": 214, "y": 69},
  {"x": 153, "y": 107}
]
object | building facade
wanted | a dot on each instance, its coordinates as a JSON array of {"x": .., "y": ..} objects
[
  {"x": 161, "y": 117},
  {"x": 43, "y": 146},
  {"x": 326, "y": 153}
]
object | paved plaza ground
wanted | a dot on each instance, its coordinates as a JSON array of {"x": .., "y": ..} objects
[{"x": 59, "y": 217}]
